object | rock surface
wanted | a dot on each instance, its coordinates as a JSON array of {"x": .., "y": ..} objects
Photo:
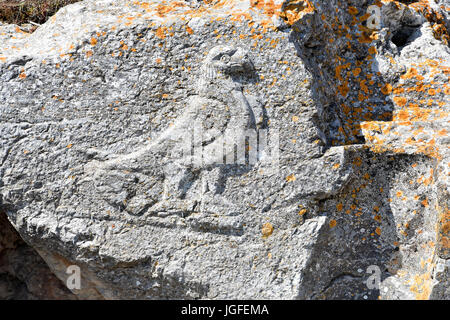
[
  {"x": 23, "y": 273},
  {"x": 97, "y": 104}
]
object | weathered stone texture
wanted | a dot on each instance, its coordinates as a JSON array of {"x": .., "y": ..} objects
[{"x": 95, "y": 104}]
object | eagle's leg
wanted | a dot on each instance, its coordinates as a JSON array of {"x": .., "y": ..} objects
[
  {"x": 178, "y": 180},
  {"x": 212, "y": 181},
  {"x": 212, "y": 199}
]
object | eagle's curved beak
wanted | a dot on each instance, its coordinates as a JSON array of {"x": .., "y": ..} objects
[{"x": 240, "y": 62}]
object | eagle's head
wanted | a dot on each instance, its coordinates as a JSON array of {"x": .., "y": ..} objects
[{"x": 227, "y": 60}]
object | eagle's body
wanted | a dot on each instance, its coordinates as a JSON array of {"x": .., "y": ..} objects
[{"x": 220, "y": 113}]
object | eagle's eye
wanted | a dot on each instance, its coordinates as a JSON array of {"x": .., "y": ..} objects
[{"x": 225, "y": 58}]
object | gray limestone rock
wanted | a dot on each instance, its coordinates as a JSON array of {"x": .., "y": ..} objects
[{"x": 231, "y": 149}]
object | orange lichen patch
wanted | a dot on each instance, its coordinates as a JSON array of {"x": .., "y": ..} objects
[
  {"x": 445, "y": 243},
  {"x": 371, "y": 125},
  {"x": 93, "y": 41},
  {"x": 163, "y": 9},
  {"x": 339, "y": 69},
  {"x": 22, "y": 75},
  {"x": 291, "y": 178},
  {"x": 357, "y": 161},
  {"x": 373, "y": 50},
  {"x": 437, "y": 21},
  {"x": 353, "y": 10},
  {"x": 412, "y": 72},
  {"x": 295, "y": 10},
  {"x": 267, "y": 6},
  {"x": 378, "y": 231},
  {"x": 367, "y": 36},
  {"x": 445, "y": 228},
  {"x": 402, "y": 115},
  {"x": 400, "y": 101},
  {"x": 421, "y": 286},
  {"x": 415, "y": 113},
  {"x": 267, "y": 230},
  {"x": 386, "y": 89},
  {"x": 333, "y": 223},
  {"x": 364, "y": 17},
  {"x": 239, "y": 16},
  {"x": 356, "y": 72},
  {"x": 302, "y": 212},
  {"x": 161, "y": 32},
  {"x": 374, "y": 129},
  {"x": 344, "y": 89},
  {"x": 363, "y": 86},
  {"x": 339, "y": 207},
  {"x": 377, "y": 218}
]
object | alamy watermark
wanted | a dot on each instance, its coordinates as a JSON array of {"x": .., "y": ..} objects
[
  {"x": 234, "y": 147},
  {"x": 374, "y": 280},
  {"x": 374, "y": 20},
  {"x": 73, "y": 281}
]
